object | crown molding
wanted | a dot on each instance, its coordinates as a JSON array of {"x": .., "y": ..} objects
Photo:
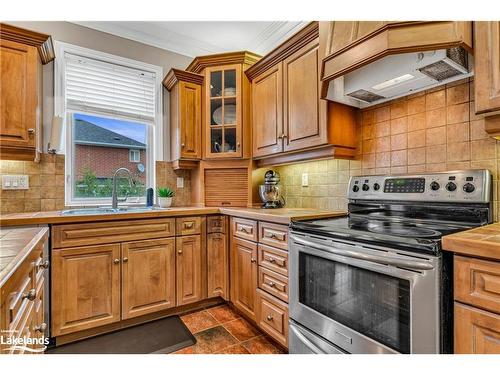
[
  {"x": 42, "y": 42},
  {"x": 176, "y": 75},
  {"x": 287, "y": 48},
  {"x": 241, "y": 57}
]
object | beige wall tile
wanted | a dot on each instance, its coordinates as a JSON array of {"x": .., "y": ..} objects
[
  {"x": 457, "y": 94},
  {"x": 382, "y": 114},
  {"x": 416, "y": 156},
  {"x": 457, "y": 113},
  {"x": 399, "y": 142},
  {"x": 383, "y": 144},
  {"x": 399, "y": 158},
  {"x": 399, "y": 109},
  {"x": 416, "y": 105},
  {"x": 457, "y": 132},
  {"x": 416, "y": 139},
  {"x": 435, "y": 100},
  {"x": 417, "y": 122},
  {"x": 435, "y": 136},
  {"x": 459, "y": 151},
  {"x": 435, "y": 154},
  {"x": 483, "y": 149},
  {"x": 399, "y": 125}
]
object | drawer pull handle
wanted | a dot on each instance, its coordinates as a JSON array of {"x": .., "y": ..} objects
[
  {"x": 272, "y": 284},
  {"x": 116, "y": 261},
  {"x": 30, "y": 295},
  {"x": 31, "y": 131},
  {"x": 188, "y": 225},
  {"x": 244, "y": 230},
  {"x": 44, "y": 264},
  {"x": 252, "y": 260},
  {"x": 125, "y": 260},
  {"x": 269, "y": 318},
  {"x": 271, "y": 260},
  {"x": 41, "y": 328}
]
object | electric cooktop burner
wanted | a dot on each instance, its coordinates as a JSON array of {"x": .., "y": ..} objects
[{"x": 401, "y": 230}]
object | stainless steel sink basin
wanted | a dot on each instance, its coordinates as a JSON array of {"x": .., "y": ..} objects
[{"x": 108, "y": 210}]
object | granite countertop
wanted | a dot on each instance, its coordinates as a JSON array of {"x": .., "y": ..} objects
[
  {"x": 278, "y": 215},
  {"x": 481, "y": 242},
  {"x": 15, "y": 245}
]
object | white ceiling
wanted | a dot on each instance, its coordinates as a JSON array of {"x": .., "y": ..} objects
[{"x": 197, "y": 38}]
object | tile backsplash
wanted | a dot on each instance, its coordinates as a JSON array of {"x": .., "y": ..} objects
[
  {"x": 431, "y": 131},
  {"x": 46, "y": 184}
]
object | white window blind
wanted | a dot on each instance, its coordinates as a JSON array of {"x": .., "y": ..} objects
[{"x": 100, "y": 87}]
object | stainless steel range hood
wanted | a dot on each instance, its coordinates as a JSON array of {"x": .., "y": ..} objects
[{"x": 399, "y": 75}]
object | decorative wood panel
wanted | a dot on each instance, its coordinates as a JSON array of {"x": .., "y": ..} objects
[
  {"x": 216, "y": 224},
  {"x": 217, "y": 265},
  {"x": 148, "y": 277},
  {"x": 226, "y": 187},
  {"x": 85, "y": 288}
]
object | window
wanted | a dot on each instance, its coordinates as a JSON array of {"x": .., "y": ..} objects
[
  {"x": 134, "y": 156},
  {"x": 113, "y": 120}
]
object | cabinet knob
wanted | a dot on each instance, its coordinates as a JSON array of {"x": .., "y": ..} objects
[
  {"x": 269, "y": 318},
  {"x": 41, "y": 328},
  {"x": 43, "y": 264},
  {"x": 31, "y": 131},
  {"x": 271, "y": 260},
  {"x": 30, "y": 295},
  {"x": 116, "y": 261},
  {"x": 179, "y": 252},
  {"x": 272, "y": 284},
  {"x": 253, "y": 260},
  {"x": 238, "y": 144},
  {"x": 188, "y": 225},
  {"x": 284, "y": 136},
  {"x": 125, "y": 260},
  {"x": 183, "y": 145}
]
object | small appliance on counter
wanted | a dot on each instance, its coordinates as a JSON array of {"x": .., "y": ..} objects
[{"x": 270, "y": 192}]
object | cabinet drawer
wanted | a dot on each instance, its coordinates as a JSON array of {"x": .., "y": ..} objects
[
  {"x": 19, "y": 300},
  {"x": 272, "y": 317},
  {"x": 477, "y": 282},
  {"x": 244, "y": 228},
  {"x": 69, "y": 235},
  {"x": 273, "y": 234},
  {"x": 273, "y": 283},
  {"x": 273, "y": 259},
  {"x": 186, "y": 226},
  {"x": 476, "y": 331},
  {"x": 216, "y": 224}
]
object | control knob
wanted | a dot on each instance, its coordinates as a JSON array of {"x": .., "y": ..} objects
[
  {"x": 376, "y": 186},
  {"x": 469, "y": 188},
  {"x": 451, "y": 186},
  {"x": 355, "y": 188},
  {"x": 365, "y": 187},
  {"x": 435, "y": 185}
]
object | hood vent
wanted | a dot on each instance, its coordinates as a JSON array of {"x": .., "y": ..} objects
[
  {"x": 455, "y": 63},
  {"x": 365, "y": 96}
]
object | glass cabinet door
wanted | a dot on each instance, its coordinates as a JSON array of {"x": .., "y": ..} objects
[{"x": 223, "y": 117}]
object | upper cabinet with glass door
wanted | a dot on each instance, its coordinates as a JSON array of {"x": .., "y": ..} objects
[{"x": 226, "y": 108}]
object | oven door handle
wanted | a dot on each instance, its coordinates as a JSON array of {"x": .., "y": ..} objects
[
  {"x": 306, "y": 341},
  {"x": 386, "y": 260}
]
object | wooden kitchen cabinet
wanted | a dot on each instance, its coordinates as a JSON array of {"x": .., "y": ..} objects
[
  {"x": 217, "y": 265},
  {"x": 189, "y": 269},
  {"x": 185, "y": 117},
  {"x": 85, "y": 287},
  {"x": 148, "y": 277},
  {"x": 244, "y": 276},
  {"x": 476, "y": 331},
  {"x": 22, "y": 53}
]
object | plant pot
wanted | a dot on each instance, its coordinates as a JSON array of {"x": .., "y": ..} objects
[{"x": 165, "y": 202}]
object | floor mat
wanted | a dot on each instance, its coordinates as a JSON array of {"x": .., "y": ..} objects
[{"x": 161, "y": 336}]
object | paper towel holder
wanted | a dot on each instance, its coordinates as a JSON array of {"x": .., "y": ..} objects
[{"x": 55, "y": 135}]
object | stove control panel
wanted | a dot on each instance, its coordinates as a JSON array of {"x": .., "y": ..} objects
[{"x": 456, "y": 186}]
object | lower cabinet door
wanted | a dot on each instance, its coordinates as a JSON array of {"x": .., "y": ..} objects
[
  {"x": 148, "y": 277},
  {"x": 217, "y": 265},
  {"x": 476, "y": 331},
  {"x": 244, "y": 276},
  {"x": 272, "y": 317},
  {"x": 85, "y": 288},
  {"x": 189, "y": 269}
]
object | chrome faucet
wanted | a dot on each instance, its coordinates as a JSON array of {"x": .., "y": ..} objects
[{"x": 114, "y": 194}]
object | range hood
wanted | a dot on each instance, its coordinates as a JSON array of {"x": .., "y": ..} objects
[{"x": 399, "y": 75}]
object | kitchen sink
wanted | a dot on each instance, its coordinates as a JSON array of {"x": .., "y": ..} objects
[{"x": 108, "y": 210}]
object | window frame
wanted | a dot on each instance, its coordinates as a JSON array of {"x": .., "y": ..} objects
[
  {"x": 134, "y": 152},
  {"x": 155, "y": 129}
]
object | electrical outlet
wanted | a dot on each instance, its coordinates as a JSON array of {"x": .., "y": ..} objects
[
  {"x": 180, "y": 182},
  {"x": 15, "y": 182},
  {"x": 305, "y": 179}
]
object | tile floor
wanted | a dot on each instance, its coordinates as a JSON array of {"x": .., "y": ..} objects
[{"x": 221, "y": 330}]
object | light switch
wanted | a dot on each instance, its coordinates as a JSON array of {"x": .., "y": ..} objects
[
  {"x": 180, "y": 182},
  {"x": 305, "y": 179},
  {"x": 15, "y": 182}
]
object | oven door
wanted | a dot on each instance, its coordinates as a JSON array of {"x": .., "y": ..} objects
[{"x": 365, "y": 299}]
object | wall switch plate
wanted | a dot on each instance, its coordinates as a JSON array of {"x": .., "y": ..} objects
[
  {"x": 15, "y": 182},
  {"x": 305, "y": 179},
  {"x": 180, "y": 182}
]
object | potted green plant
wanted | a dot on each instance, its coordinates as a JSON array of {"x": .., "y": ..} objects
[{"x": 165, "y": 195}]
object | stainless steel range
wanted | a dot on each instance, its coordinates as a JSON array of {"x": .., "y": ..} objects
[{"x": 377, "y": 280}]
